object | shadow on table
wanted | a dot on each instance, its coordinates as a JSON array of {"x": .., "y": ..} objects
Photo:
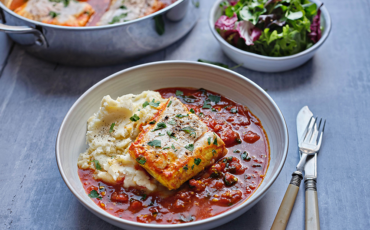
[
  {"x": 283, "y": 80},
  {"x": 32, "y": 74}
]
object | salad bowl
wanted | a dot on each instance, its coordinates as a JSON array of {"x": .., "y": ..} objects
[{"x": 263, "y": 63}]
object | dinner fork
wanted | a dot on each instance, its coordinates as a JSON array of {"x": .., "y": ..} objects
[{"x": 312, "y": 139}]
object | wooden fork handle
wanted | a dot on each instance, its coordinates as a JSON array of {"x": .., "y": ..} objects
[
  {"x": 312, "y": 206},
  {"x": 286, "y": 206}
]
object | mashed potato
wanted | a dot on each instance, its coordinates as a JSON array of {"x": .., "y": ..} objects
[{"x": 110, "y": 132}]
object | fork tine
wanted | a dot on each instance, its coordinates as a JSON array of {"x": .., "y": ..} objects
[
  {"x": 316, "y": 132},
  {"x": 321, "y": 134},
  {"x": 310, "y": 131},
  {"x": 307, "y": 128}
]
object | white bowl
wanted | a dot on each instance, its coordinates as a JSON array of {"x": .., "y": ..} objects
[
  {"x": 265, "y": 63},
  {"x": 71, "y": 137}
]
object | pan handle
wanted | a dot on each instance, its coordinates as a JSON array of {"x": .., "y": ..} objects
[{"x": 40, "y": 39}]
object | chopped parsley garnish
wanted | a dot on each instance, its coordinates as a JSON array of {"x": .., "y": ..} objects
[
  {"x": 245, "y": 156},
  {"x": 215, "y": 141},
  {"x": 111, "y": 127},
  {"x": 172, "y": 122},
  {"x": 97, "y": 164},
  {"x": 141, "y": 160},
  {"x": 94, "y": 194},
  {"x": 209, "y": 140},
  {"x": 53, "y": 14},
  {"x": 155, "y": 143},
  {"x": 238, "y": 140},
  {"x": 236, "y": 151},
  {"x": 154, "y": 104},
  {"x": 185, "y": 167},
  {"x": 189, "y": 130},
  {"x": 166, "y": 148},
  {"x": 169, "y": 103},
  {"x": 181, "y": 116},
  {"x": 233, "y": 110},
  {"x": 173, "y": 147},
  {"x": 118, "y": 18},
  {"x": 145, "y": 104},
  {"x": 152, "y": 122},
  {"x": 214, "y": 110},
  {"x": 123, "y": 7},
  {"x": 206, "y": 106},
  {"x": 192, "y": 167},
  {"x": 135, "y": 118},
  {"x": 160, "y": 134},
  {"x": 213, "y": 152},
  {"x": 197, "y": 161},
  {"x": 160, "y": 125},
  {"x": 190, "y": 147},
  {"x": 171, "y": 135},
  {"x": 143, "y": 197},
  {"x": 179, "y": 93},
  {"x": 201, "y": 114},
  {"x": 192, "y": 110},
  {"x": 214, "y": 98}
]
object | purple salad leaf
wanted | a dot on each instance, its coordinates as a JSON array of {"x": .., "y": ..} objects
[
  {"x": 271, "y": 1},
  {"x": 226, "y": 23},
  {"x": 233, "y": 3},
  {"x": 270, "y": 19},
  {"x": 315, "y": 33},
  {"x": 248, "y": 32}
]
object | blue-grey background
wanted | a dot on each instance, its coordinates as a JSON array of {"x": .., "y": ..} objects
[{"x": 335, "y": 84}]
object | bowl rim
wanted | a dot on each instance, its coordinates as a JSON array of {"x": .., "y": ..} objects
[
  {"x": 3, "y": 7},
  {"x": 325, "y": 14},
  {"x": 105, "y": 215}
]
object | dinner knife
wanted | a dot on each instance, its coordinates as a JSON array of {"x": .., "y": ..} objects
[{"x": 312, "y": 209}]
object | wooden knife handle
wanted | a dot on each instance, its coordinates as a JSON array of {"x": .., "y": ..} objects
[
  {"x": 312, "y": 206},
  {"x": 286, "y": 206}
]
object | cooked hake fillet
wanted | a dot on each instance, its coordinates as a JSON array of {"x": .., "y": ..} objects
[
  {"x": 126, "y": 10},
  {"x": 177, "y": 147},
  {"x": 63, "y": 13}
]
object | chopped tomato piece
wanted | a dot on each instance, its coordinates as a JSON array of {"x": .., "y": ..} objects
[
  {"x": 230, "y": 179},
  {"x": 251, "y": 137},
  {"x": 119, "y": 197}
]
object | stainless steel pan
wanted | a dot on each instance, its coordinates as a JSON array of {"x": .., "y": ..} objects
[{"x": 99, "y": 45}]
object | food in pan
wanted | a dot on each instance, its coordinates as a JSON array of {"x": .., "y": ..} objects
[
  {"x": 63, "y": 13},
  {"x": 172, "y": 156},
  {"x": 87, "y": 12},
  {"x": 270, "y": 27}
]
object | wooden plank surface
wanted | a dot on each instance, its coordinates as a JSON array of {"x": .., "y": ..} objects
[{"x": 335, "y": 84}]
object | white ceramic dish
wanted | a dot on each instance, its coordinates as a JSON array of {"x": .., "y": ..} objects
[
  {"x": 71, "y": 137},
  {"x": 264, "y": 63}
]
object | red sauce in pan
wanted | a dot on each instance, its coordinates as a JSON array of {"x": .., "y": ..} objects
[
  {"x": 100, "y": 7},
  {"x": 222, "y": 186}
]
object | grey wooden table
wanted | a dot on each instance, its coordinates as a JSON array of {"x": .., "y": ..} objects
[{"x": 335, "y": 84}]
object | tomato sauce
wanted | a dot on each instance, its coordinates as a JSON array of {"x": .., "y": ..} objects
[{"x": 220, "y": 187}]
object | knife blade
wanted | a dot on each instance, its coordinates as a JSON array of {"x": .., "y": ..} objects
[{"x": 303, "y": 118}]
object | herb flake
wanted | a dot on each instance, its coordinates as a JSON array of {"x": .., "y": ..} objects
[
  {"x": 141, "y": 160},
  {"x": 94, "y": 194},
  {"x": 190, "y": 147},
  {"x": 155, "y": 143},
  {"x": 197, "y": 161},
  {"x": 135, "y": 118},
  {"x": 111, "y": 127},
  {"x": 160, "y": 125}
]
